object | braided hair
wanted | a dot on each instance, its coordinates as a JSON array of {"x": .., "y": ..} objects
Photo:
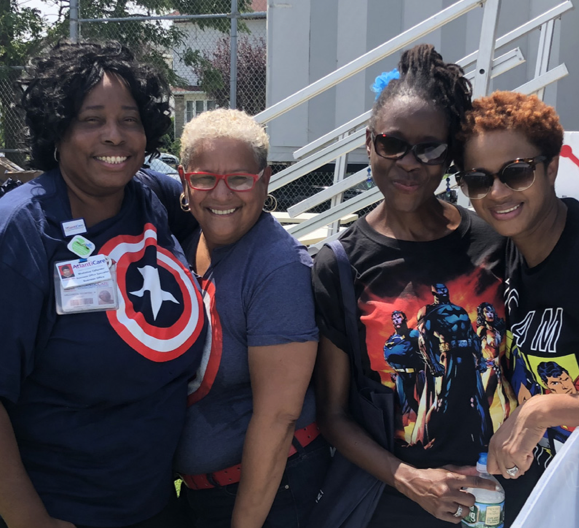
[
  {"x": 424, "y": 74},
  {"x": 56, "y": 83}
]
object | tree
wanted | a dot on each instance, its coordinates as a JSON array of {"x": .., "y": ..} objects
[
  {"x": 149, "y": 39},
  {"x": 213, "y": 71},
  {"x": 21, "y": 33}
]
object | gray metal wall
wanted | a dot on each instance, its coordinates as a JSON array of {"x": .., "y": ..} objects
[{"x": 308, "y": 39}]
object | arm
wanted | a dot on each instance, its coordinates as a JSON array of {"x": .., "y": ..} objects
[
  {"x": 513, "y": 444},
  {"x": 168, "y": 190},
  {"x": 438, "y": 491},
  {"x": 20, "y": 505},
  {"x": 280, "y": 375}
]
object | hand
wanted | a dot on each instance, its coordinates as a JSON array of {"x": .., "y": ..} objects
[
  {"x": 513, "y": 444},
  {"x": 439, "y": 491}
]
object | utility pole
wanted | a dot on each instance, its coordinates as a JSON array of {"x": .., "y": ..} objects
[{"x": 233, "y": 56}]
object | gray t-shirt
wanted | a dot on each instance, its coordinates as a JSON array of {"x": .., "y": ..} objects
[{"x": 258, "y": 291}]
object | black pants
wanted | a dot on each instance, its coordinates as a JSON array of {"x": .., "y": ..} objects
[
  {"x": 171, "y": 516},
  {"x": 300, "y": 484}
]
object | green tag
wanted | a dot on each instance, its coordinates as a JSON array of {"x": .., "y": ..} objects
[{"x": 81, "y": 246}]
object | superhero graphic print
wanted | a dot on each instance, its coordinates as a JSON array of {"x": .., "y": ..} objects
[
  {"x": 160, "y": 308},
  {"x": 538, "y": 366},
  {"x": 438, "y": 346}
]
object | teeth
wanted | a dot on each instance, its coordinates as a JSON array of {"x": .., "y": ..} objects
[
  {"x": 505, "y": 211},
  {"x": 112, "y": 159},
  {"x": 222, "y": 212}
]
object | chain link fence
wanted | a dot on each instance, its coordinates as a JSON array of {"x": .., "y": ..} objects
[
  {"x": 191, "y": 41},
  {"x": 12, "y": 140}
]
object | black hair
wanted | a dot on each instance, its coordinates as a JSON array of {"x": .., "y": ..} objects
[
  {"x": 424, "y": 74},
  {"x": 550, "y": 369},
  {"x": 480, "y": 313},
  {"x": 56, "y": 83}
]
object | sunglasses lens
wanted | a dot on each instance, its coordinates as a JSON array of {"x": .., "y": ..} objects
[
  {"x": 202, "y": 182},
  {"x": 518, "y": 176},
  {"x": 390, "y": 147},
  {"x": 431, "y": 153},
  {"x": 240, "y": 182},
  {"x": 476, "y": 184}
]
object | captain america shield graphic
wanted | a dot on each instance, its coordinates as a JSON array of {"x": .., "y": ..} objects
[{"x": 159, "y": 312}]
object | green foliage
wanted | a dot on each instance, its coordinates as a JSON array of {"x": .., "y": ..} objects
[
  {"x": 213, "y": 71},
  {"x": 20, "y": 33}
]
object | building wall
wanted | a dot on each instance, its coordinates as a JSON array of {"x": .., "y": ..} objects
[{"x": 307, "y": 39}]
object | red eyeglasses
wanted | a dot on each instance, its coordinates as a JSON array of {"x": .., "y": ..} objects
[{"x": 207, "y": 181}]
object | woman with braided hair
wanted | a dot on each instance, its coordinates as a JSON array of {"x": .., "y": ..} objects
[{"x": 435, "y": 263}]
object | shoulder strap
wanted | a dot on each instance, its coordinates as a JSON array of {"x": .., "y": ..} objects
[{"x": 349, "y": 303}]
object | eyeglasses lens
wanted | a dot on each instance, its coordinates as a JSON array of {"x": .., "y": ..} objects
[
  {"x": 390, "y": 147},
  {"x": 202, "y": 181},
  {"x": 431, "y": 153},
  {"x": 476, "y": 184},
  {"x": 518, "y": 176},
  {"x": 240, "y": 182}
]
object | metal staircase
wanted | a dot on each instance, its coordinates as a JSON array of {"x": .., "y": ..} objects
[{"x": 335, "y": 145}]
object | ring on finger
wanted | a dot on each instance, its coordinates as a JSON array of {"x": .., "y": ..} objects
[
  {"x": 513, "y": 471},
  {"x": 458, "y": 512}
]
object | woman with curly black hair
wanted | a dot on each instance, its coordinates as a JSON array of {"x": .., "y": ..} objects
[
  {"x": 421, "y": 266},
  {"x": 95, "y": 361}
]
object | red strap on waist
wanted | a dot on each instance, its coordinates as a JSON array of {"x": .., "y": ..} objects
[{"x": 232, "y": 474}]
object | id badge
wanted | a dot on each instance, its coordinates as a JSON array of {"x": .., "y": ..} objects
[{"x": 93, "y": 297}]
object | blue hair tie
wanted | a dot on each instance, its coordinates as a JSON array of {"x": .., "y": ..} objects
[{"x": 382, "y": 81}]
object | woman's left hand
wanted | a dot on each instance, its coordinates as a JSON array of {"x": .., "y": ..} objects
[{"x": 513, "y": 444}]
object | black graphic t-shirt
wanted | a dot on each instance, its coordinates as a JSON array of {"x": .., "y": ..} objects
[
  {"x": 431, "y": 323},
  {"x": 543, "y": 320}
]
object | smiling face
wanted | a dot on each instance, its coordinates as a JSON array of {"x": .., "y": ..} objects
[
  {"x": 511, "y": 213},
  {"x": 104, "y": 146},
  {"x": 406, "y": 183},
  {"x": 224, "y": 215}
]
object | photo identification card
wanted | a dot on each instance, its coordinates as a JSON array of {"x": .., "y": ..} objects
[
  {"x": 82, "y": 272},
  {"x": 96, "y": 297}
]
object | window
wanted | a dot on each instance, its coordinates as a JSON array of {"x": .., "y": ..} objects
[
  {"x": 194, "y": 108},
  {"x": 189, "y": 111}
]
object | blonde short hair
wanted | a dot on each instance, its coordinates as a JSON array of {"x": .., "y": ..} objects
[{"x": 224, "y": 123}]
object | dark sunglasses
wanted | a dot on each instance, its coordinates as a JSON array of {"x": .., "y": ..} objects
[
  {"x": 429, "y": 152},
  {"x": 517, "y": 175},
  {"x": 207, "y": 181}
]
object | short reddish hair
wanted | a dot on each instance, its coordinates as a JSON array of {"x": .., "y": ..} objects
[{"x": 513, "y": 111}]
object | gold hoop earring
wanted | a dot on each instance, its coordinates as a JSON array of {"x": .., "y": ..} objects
[
  {"x": 270, "y": 204},
  {"x": 183, "y": 203}
]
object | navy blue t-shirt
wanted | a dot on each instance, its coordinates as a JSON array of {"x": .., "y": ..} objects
[
  {"x": 258, "y": 291},
  {"x": 97, "y": 400}
]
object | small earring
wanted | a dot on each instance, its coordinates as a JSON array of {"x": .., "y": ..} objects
[
  {"x": 270, "y": 204},
  {"x": 56, "y": 155},
  {"x": 448, "y": 184},
  {"x": 183, "y": 203}
]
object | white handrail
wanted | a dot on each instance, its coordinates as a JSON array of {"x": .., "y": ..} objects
[
  {"x": 361, "y": 63},
  {"x": 522, "y": 30}
]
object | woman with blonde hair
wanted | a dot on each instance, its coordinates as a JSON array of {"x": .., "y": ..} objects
[{"x": 251, "y": 454}]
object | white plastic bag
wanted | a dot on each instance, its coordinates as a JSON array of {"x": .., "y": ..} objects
[{"x": 554, "y": 503}]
